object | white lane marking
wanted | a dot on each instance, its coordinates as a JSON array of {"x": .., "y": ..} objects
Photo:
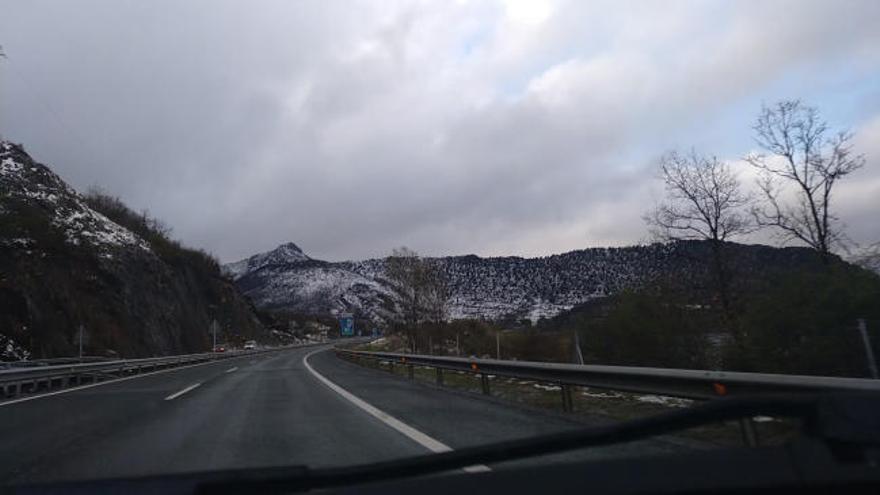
[
  {"x": 230, "y": 370},
  {"x": 413, "y": 434},
  {"x": 181, "y": 392},
  {"x": 98, "y": 384}
]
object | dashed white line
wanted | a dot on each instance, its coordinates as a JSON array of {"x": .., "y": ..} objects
[
  {"x": 230, "y": 370},
  {"x": 181, "y": 392},
  {"x": 98, "y": 384},
  {"x": 417, "y": 436}
]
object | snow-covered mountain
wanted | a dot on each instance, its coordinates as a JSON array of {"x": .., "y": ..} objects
[
  {"x": 284, "y": 254},
  {"x": 497, "y": 288},
  {"x": 491, "y": 288}
]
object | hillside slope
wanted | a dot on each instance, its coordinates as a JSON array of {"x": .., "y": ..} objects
[
  {"x": 509, "y": 288},
  {"x": 65, "y": 264}
]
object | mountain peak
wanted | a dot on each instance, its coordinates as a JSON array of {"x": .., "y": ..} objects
[
  {"x": 284, "y": 254},
  {"x": 289, "y": 247}
]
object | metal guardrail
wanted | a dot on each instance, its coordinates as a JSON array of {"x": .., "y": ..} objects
[
  {"x": 32, "y": 363},
  {"x": 18, "y": 381},
  {"x": 690, "y": 384}
]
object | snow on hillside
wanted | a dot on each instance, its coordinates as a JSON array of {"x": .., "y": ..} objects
[
  {"x": 23, "y": 180},
  {"x": 316, "y": 287},
  {"x": 283, "y": 254},
  {"x": 490, "y": 288}
]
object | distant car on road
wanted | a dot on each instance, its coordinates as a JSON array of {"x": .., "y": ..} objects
[
  {"x": 250, "y": 344},
  {"x": 219, "y": 348}
]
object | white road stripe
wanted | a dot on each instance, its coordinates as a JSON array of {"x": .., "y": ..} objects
[
  {"x": 98, "y": 384},
  {"x": 417, "y": 436},
  {"x": 230, "y": 370},
  {"x": 181, "y": 392}
]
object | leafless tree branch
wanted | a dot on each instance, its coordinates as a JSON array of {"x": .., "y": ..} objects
[
  {"x": 703, "y": 201},
  {"x": 802, "y": 161}
]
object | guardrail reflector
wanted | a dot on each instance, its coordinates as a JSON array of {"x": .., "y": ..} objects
[
  {"x": 475, "y": 367},
  {"x": 720, "y": 388}
]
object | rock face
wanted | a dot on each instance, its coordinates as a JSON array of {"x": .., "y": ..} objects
[
  {"x": 63, "y": 264},
  {"x": 496, "y": 288}
]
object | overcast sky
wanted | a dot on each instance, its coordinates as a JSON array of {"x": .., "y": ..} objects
[{"x": 452, "y": 127}]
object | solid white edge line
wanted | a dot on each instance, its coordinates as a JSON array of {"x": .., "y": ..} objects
[
  {"x": 413, "y": 434},
  {"x": 181, "y": 392},
  {"x": 230, "y": 370}
]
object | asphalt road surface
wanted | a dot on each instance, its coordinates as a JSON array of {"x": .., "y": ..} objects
[{"x": 254, "y": 411}]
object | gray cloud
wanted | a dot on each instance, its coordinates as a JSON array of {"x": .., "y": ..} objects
[{"x": 350, "y": 128}]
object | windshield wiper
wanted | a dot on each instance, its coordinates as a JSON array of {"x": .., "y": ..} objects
[{"x": 840, "y": 418}]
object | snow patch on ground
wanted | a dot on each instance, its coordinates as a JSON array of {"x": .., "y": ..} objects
[
  {"x": 665, "y": 401},
  {"x": 548, "y": 388},
  {"x": 602, "y": 395}
]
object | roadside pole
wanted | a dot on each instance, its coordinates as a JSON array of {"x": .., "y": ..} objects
[
  {"x": 214, "y": 332},
  {"x": 578, "y": 355},
  {"x": 869, "y": 352},
  {"x": 80, "y": 341},
  {"x": 498, "y": 345}
]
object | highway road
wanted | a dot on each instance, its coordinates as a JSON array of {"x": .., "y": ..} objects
[{"x": 256, "y": 411}]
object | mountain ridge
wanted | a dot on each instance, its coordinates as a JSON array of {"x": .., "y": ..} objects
[{"x": 496, "y": 288}]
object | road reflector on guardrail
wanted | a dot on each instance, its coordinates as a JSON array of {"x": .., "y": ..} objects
[
  {"x": 475, "y": 367},
  {"x": 720, "y": 388},
  {"x": 403, "y": 359}
]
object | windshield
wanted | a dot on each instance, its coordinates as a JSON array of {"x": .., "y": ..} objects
[{"x": 333, "y": 233}]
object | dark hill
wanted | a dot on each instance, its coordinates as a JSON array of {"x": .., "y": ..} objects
[{"x": 68, "y": 260}]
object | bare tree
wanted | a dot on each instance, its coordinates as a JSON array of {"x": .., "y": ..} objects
[
  {"x": 704, "y": 201},
  {"x": 436, "y": 300},
  {"x": 798, "y": 173},
  {"x": 420, "y": 288}
]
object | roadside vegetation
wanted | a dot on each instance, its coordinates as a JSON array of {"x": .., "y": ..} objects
[
  {"x": 729, "y": 315},
  {"x": 154, "y": 231}
]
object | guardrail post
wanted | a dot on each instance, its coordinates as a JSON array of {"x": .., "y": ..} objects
[
  {"x": 749, "y": 432},
  {"x": 439, "y": 372},
  {"x": 484, "y": 378},
  {"x": 567, "y": 402}
]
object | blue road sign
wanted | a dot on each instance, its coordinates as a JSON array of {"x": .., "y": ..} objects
[{"x": 346, "y": 325}]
